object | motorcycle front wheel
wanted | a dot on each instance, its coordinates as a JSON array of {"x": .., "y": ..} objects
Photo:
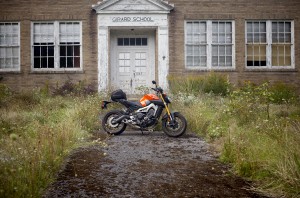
[
  {"x": 175, "y": 128},
  {"x": 109, "y": 126}
]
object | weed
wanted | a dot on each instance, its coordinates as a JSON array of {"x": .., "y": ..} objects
[
  {"x": 282, "y": 93},
  {"x": 77, "y": 89},
  {"x": 34, "y": 140},
  {"x": 215, "y": 83},
  {"x": 4, "y": 94},
  {"x": 256, "y": 128}
]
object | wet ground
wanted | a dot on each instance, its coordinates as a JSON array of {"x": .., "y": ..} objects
[{"x": 154, "y": 165}]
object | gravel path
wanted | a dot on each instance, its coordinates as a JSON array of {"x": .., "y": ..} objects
[{"x": 154, "y": 165}]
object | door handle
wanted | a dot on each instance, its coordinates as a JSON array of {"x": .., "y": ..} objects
[{"x": 130, "y": 82}]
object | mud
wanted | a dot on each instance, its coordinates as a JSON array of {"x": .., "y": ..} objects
[{"x": 154, "y": 165}]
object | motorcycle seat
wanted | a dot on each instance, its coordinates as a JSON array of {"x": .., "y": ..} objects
[
  {"x": 134, "y": 103},
  {"x": 131, "y": 104}
]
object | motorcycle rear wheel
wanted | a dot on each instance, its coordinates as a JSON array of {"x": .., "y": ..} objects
[
  {"x": 178, "y": 128},
  {"x": 109, "y": 127}
]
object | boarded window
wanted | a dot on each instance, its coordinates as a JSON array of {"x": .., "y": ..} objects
[
  {"x": 256, "y": 44},
  {"x": 269, "y": 44}
]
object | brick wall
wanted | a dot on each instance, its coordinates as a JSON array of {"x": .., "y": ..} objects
[
  {"x": 239, "y": 11},
  {"x": 51, "y": 10}
]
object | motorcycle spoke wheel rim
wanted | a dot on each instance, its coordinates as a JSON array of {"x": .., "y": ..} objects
[
  {"x": 179, "y": 124},
  {"x": 112, "y": 128}
]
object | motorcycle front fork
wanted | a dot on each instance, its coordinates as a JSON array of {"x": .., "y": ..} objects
[{"x": 167, "y": 108}]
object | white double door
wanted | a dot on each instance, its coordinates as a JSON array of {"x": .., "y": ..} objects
[
  {"x": 133, "y": 63},
  {"x": 133, "y": 70}
]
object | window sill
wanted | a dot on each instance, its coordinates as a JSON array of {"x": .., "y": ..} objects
[
  {"x": 57, "y": 72},
  {"x": 271, "y": 70},
  {"x": 10, "y": 72},
  {"x": 211, "y": 69}
]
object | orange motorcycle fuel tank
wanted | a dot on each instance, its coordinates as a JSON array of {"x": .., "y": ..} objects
[{"x": 145, "y": 100}]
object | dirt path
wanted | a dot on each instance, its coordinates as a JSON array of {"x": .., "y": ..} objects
[{"x": 136, "y": 165}]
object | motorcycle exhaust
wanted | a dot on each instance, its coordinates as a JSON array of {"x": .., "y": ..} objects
[{"x": 118, "y": 120}]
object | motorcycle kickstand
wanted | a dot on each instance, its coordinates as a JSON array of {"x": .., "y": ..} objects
[{"x": 143, "y": 132}]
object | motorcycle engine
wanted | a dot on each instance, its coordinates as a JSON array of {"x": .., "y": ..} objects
[
  {"x": 150, "y": 113},
  {"x": 143, "y": 119}
]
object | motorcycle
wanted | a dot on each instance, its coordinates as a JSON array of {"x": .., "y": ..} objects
[{"x": 144, "y": 114}]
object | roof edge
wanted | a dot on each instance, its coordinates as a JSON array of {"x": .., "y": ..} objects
[{"x": 164, "y": 5}]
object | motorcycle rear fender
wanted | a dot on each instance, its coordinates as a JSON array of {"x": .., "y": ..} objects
[{"x": 104, "y": 104}]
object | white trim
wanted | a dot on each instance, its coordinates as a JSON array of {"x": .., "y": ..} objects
[
  {"x": 103, "y": 56},
  {"x": 56, "y": 48},
  {"x": 158, "y": 22},
  {"x": 18, "y": 69},
  {"x": 163, "y": 7}
]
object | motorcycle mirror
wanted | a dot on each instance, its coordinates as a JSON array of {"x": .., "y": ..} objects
[{"x": 153, "y": 82}]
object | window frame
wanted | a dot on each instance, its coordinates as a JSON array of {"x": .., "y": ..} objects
[
  {"x": 18, "y": 69},
  {"x": 57, "y": 45},
  {"x": 209, "y": 45},
  {"x": 269, "y": 44}
]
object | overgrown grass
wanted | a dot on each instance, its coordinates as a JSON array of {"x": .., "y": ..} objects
[
  {"x": 37, "y": 131},
  {"x": 214, "y": 83},
  {"x": 256, "y": 128}
]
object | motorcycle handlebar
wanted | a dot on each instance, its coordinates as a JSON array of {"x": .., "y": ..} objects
[{"x": 158, "y": 89}]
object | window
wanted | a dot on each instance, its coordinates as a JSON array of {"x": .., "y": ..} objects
[
  {"x": 132, "y": 41},
  {"x": 269, "y": 44},
  {"x": 221, "y": 44},
  {"x": 43, "y": 45},
  {"x": 56, "y": 45},
  {"x": 209, "y": 44},
  {"x": 9, "y": 46},
  {"x": 256, "y": 44},
  {"x": 196, "y": 44},
  {"x": 69, "y": 41},
  {"x": 281, "y": 43}
]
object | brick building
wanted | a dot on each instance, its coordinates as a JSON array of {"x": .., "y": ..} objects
[{"x": 127, "y": 43}]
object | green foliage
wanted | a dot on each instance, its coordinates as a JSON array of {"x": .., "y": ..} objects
[
  {"x": 189, "y": 84},
  {"x": 249, "y": 103},
  {"x": 4, "y": 94},
  {"x": 214, "y": 83},
  {"x": 282, "y": 93},
  {"x": 36, "y": 133},
  {"x": 217, "y": 84},
  {"x": 256, "y": 128}
]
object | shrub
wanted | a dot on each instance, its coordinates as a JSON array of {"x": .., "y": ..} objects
[
  {"x": 283, "y": 93},
  {"x": 215, "y": 83},
  {"x": 187, "y": 84},
  {"x": 79, "y": 89},
  {"x": 4, "y": 93},
  {"x": 249, "y": 103},
  {"x": 246, "y": 129}
]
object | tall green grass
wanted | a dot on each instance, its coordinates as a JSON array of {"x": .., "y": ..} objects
[
  {"x": 37, "y": 132},
  {"x": 256, "y": 128},
  {"x": 215, "y": 83}
]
